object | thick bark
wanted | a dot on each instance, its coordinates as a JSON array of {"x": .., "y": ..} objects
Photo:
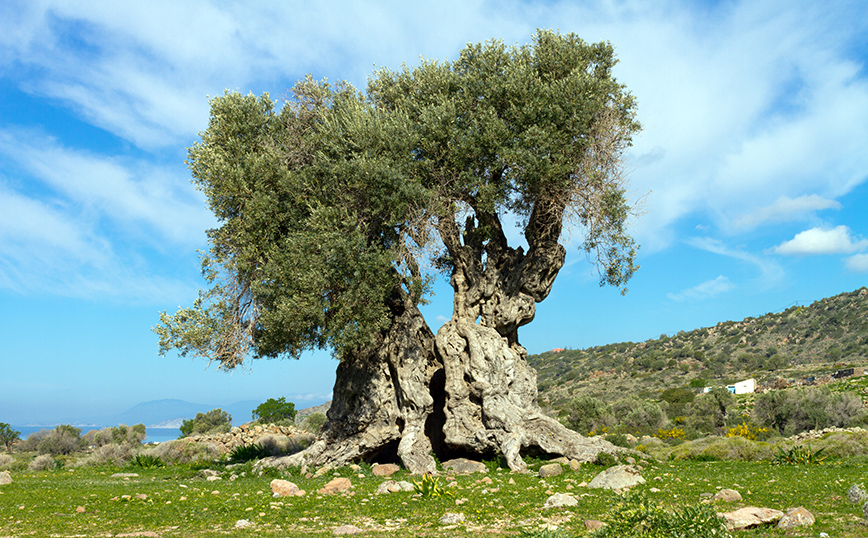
[
  {"x": 469, "y": 390},
  {"x": 382, "y": 403}
]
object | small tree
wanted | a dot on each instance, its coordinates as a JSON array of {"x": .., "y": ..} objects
[
  {"x": 272, "y": 411},
  {"x": 8, "y": 435},
  {"x": 62, "y": 440},
  {"x": 709, "y": 411},
  {"x": 214, "y": 421},
  {"x": 586, "y": 413},
  {"x": 314, "y": 422}
]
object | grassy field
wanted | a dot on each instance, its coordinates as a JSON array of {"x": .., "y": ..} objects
[{"x": 180, "y": 501}]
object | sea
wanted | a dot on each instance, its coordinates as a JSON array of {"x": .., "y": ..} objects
[{"x": 152, "y": 435}]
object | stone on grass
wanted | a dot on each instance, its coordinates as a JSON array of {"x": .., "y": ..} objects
[
  {"x": 593, "y": 524},
  {"x": 346, "y": 529},
  {"x": 284, "y": 488},
  {"x": 560, "y": 499},
  {"x": 391, "y": 486},
  {"x": 386, "y": 469},
  {"x": 5, "y": 478},
  {"x": 125, "y": 475},
  {"x": 617, "y": 477},
  {"x": 575, "y": 465},
  {"x": 80, "y": 509},
  {"x": 750, "y": 516},
  {"x": 796, "y": 517},
  {"x": 551, "y": 469},
  {"x": 857, "y": 494},
  {"x": 241, "y": 523},
  {"x": 336, "y": 485},
  {"x": 465, "y": 466},
  {"x": 865, "y": 510},
  {"x": 451, "y": 518},
  {"x": 727, "y": 495}
]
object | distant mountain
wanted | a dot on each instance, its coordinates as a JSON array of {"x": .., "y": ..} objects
[
  {"x": 799, "y": 342},
  {"x": 169, "y": 413}
]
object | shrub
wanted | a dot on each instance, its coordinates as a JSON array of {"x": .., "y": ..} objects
[
  {"x": 586, "y": 414},
  {"x": 280, "y": 445},
  {"x": 6, "y": 461},
  {"x": 147, "y": 461},
  {"x": 722, "y": 448},
  {"x": 8, "y": 435},
  {"x": 708, "y": 412},
  {"x": 32, "y": 441},
  {"x": 635, "y": 516},
  {"x": 116, "y": 434},
  {"x": 313, "y": 423},
  {"x": 62, "y": 440},
  {"x": 845, "y": 444},
  {"x": 275, "y": 411},
  {"x": 214, "y": 421},
  {"x": 42, "y": 462},
  {"x": 798, "y": 455},
  {"x": 746, "y": 430},
  {"x": 644, "y": 417},
  {"x": 245, "y": 453},
  {"x": 181, "y": 451},
  {"x": 114, "y": 454}
]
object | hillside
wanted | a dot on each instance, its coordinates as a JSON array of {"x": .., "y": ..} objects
[{"x": 800, "y": 342}]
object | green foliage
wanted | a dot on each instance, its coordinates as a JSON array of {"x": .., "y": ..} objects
[
  {"x": 798, "y": 455},
  {"x": 214, "y": 421},
  {"x": 245, "y": 453},
  {"x": 586, "y": 413},
  {"x": 429, "y": 486},
  {"x": 120, "y": 434},
  {"x": 275, "y": 410},
  {"x": 709, "y": 411},
  {"x": 8, "y": 436},
  {"x": 604, "y": 459},
  {"x": 635, "y": 515},
  {"x": 796, "y": 410},
  {"x": 147, "y": 461},
  {"x": 325, "y": 203},
  {"x": 62, "y": 440},
  {"x": 313, "y": 422}
]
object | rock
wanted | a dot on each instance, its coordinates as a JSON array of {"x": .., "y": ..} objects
[
  {"x": 630, "y": 460},
  {"x": 750, "y": 516},
  {"x": 386, "y": 469},
  {"x": 796, "y": 517},
  {"x": 465, "y": 466},
  {"x": 125, "y": 475},
  {"x": 560, "y": 499},
  {"x": 241, "y": 523},
  {"x": 346, "y": 529},
  {"x": 727, "y": 495},
  {"x": 451, "y": 518},
  {"x": 337, "y": 485},
  {"x": 617, "y": 477},
  {"x": 322, "y": 470},
  {"x": 593, "y": 524},
  {"x": 390, "y": 486},
  {"x": 575, "y": 465},
  {"x": 551, "y": 469},
  {"x": 857, "y": 494},
  {"x": 865, "y": 510},
  {"x": 562, "y": 459},
  {"x": 5, "y": 478},
  {"x": 80, "y": 509},
  {"x": 284, "y": 488}
]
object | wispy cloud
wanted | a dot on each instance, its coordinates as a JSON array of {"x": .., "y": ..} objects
[
  {"x": 857, "y": 263},
  {"x": 770, "y": 270},
  {"x": 822, "y": 241},
  {"x": 706, "y": 290},
  {"x": 786, "y": 209}
]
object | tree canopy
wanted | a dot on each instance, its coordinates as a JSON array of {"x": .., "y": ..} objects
[{"x": 334, "y": 207}]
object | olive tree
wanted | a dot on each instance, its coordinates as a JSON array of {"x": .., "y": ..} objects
[{"x": 337, "y": 209}]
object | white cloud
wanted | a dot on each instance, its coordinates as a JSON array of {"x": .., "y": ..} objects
[
  {"x": 857, "y": 263},
  {"x": 706, "y": 290},
  {"x": 771, "y": 271},
  {"x": 786, "y": 209},
  {"x": 822, "y": 241}
]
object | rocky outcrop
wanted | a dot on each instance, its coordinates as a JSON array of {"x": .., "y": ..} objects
[{"x": 278, "y": 439}]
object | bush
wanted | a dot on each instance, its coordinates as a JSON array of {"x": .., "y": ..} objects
[
  {"x": 645, "y": 418},
  {"x": 275, "y": 411},
  {"x": 43, "y": 462},
  {"x": 32, "y": 441},
  {"x": 62, "y": 440},
  {"x": 116, "y": 435},
  {"x": 313, "y": 423},
  {"x": 6, "y": 461},
  {"x": 8, "y": 435},
  {"x": 214, "y": 421},
  {"x": 112, "y": 454},
  {"x": 709, "y": 411},
  {"x": 798, "y": 410},
  {"x": 635, "y": 516},
  {"x": 722, "y": 448},
  {"x": 586, "y": 414},
  {"x": 180, "y": 451}
]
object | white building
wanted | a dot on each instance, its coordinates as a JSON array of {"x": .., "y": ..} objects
[{"x": 742, "y": 387}]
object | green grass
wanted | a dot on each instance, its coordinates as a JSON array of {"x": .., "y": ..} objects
[{"x": 179, "y": 501}]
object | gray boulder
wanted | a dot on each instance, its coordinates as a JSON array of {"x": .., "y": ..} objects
[
  {"x": 5, "y": 478},
  {"x": 796, "y": 517},
  {"x": 857, "y": 494},
  {"x": 617, "y": 477},
  {"x": 551, "y": 469},
  {"x": 750, "y": 516},
  {"x": 465, "y": 466},
  {"x": 560, "y": 499}
]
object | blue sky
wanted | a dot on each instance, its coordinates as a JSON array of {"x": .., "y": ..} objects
[{"x": 751, "y": 169}]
